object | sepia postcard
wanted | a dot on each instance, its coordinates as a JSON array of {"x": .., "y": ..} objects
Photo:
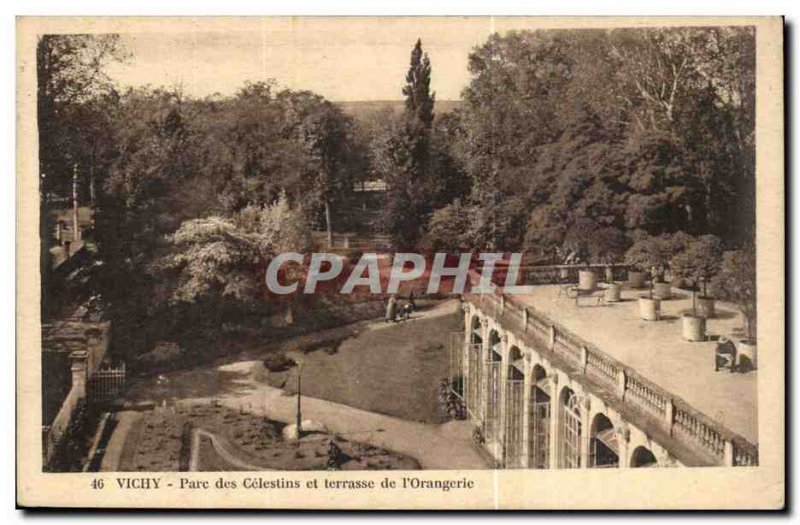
[{"x": 400, "y": 263}]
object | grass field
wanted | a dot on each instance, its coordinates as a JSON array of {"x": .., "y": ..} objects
[{"x": 393, "y": 370}]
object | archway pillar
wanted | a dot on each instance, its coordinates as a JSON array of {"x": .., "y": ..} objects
[
  {"x": 483, "y": 402},
  {"x": 526, "y": 411},
  {"x": 585, "y": 430},
  {"x": 623, "y": 439},
  {"x": 501, "y": 418},
  {"x": 555, "y": 416}
]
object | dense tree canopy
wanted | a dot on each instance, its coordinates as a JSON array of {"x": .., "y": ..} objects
[
  {"x": 591, "y": 145},
  {"x": 633, "y": 130}
]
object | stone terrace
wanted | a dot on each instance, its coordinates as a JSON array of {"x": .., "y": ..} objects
[{"x": 657, "y": 350}]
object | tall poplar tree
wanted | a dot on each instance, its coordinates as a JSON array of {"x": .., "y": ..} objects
[
  {"x": 419, "y": 99},
  {"x": 405, "y": 162}
]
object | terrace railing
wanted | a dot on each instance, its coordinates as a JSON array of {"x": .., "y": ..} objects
[
  {"x": 568, "y": 273},
  {"x": 675, "y": 416}
]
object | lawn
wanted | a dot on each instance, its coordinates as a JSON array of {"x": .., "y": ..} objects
[{"x": 392, "y": 370}]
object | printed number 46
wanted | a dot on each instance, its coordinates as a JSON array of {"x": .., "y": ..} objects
[{"x": 97, "y": 483}]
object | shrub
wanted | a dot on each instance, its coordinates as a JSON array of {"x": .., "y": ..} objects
[
  {"x": 654, "y": 254},
  {"x": 698, "y": 263},
  {"x": 278, "y": 362}
]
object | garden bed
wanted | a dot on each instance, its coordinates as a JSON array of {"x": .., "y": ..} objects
[{"x": 159, "y": 442}]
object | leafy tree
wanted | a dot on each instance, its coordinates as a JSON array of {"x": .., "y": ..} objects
[
  {"x": 70, "y": 79},
  {"x": 661, "y": 140},
  {"x": 736, "y": 282},
  {"x": 699, "y": 262},
  {"x": 227, "y": 257},
  {"x": 450, "y": 228},
  {"x": 335, "y": 159},
  {"x": 654, "y": 253},
  {"x": 70, "y": 72}
]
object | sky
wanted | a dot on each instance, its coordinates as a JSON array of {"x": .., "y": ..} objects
[{"x": 341, "y": 59}]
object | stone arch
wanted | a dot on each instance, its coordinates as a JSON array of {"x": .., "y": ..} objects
[
  {"x": 495, "y": 346},
  {"x": 643, "y": 457},
  {"x": 476, "y": 331},
  {"x": 516, "y": 363},
  {"x": 603, "y": 445},
  {"x": 570, "y": 430}
]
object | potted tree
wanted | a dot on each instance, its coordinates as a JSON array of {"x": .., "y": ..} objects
[
  {"x": 736, "y": 282},
  {"x": 606, "y": 246},
  {"x": 598, "y": 244},
  {"x": 695, "y": 265},
  {"x": 655, "y": 254}
]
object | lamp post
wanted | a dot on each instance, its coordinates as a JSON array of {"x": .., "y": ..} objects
[{"x": 299, "y": 382}]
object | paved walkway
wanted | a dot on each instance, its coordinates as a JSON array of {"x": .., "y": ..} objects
[
  {"x": 113, "y": 453},
  {"x": 445, "y": 446},
  {"x": 221, "y": 449}
]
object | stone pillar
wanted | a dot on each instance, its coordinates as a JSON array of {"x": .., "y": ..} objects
[
  {"x": 554, "y": 420},
  {"x": 585, "y": 430},
  {"x": 669, "y": 410},
  {"x": 484, "y": 379},
  {"x": 623, "y": 438},
  {"x": 502, "y": 420},
  {"x": 79, "y": 371},
  {"x": 525, "y": 319},
  {"x": 552, "y": 338},
  {"x": 584, "y": 359},
  {"x": 526, "y": 412},
  {"x": 728, "y": 453},
  {"x": 621, "y": 384},
  {"x": 467, "y": 323}
]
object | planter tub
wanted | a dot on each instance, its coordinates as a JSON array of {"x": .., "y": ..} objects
[
  {"x": 587, "y": 280},
  {"x": 650, "y": 309},
  {"x": 636, "y": 279},
  {"x": 748, "y": 350},
  {"x": 694, "y": 327},
  {"x": 612, "y": 293},
  {"x": 662, "y": 290},
  {"x": 705, "y": 307}
]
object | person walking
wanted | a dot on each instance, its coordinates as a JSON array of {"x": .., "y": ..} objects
[{"x": 391, "y": 310}]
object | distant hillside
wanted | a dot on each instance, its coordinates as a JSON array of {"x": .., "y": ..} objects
[{"x": 365, "y": 110}]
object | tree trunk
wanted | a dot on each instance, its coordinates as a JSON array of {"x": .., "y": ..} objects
[
  {"x": 328, "y": 223},
  {"x": 75, "y": 228},
  {"x": 92, "y": 190}
]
